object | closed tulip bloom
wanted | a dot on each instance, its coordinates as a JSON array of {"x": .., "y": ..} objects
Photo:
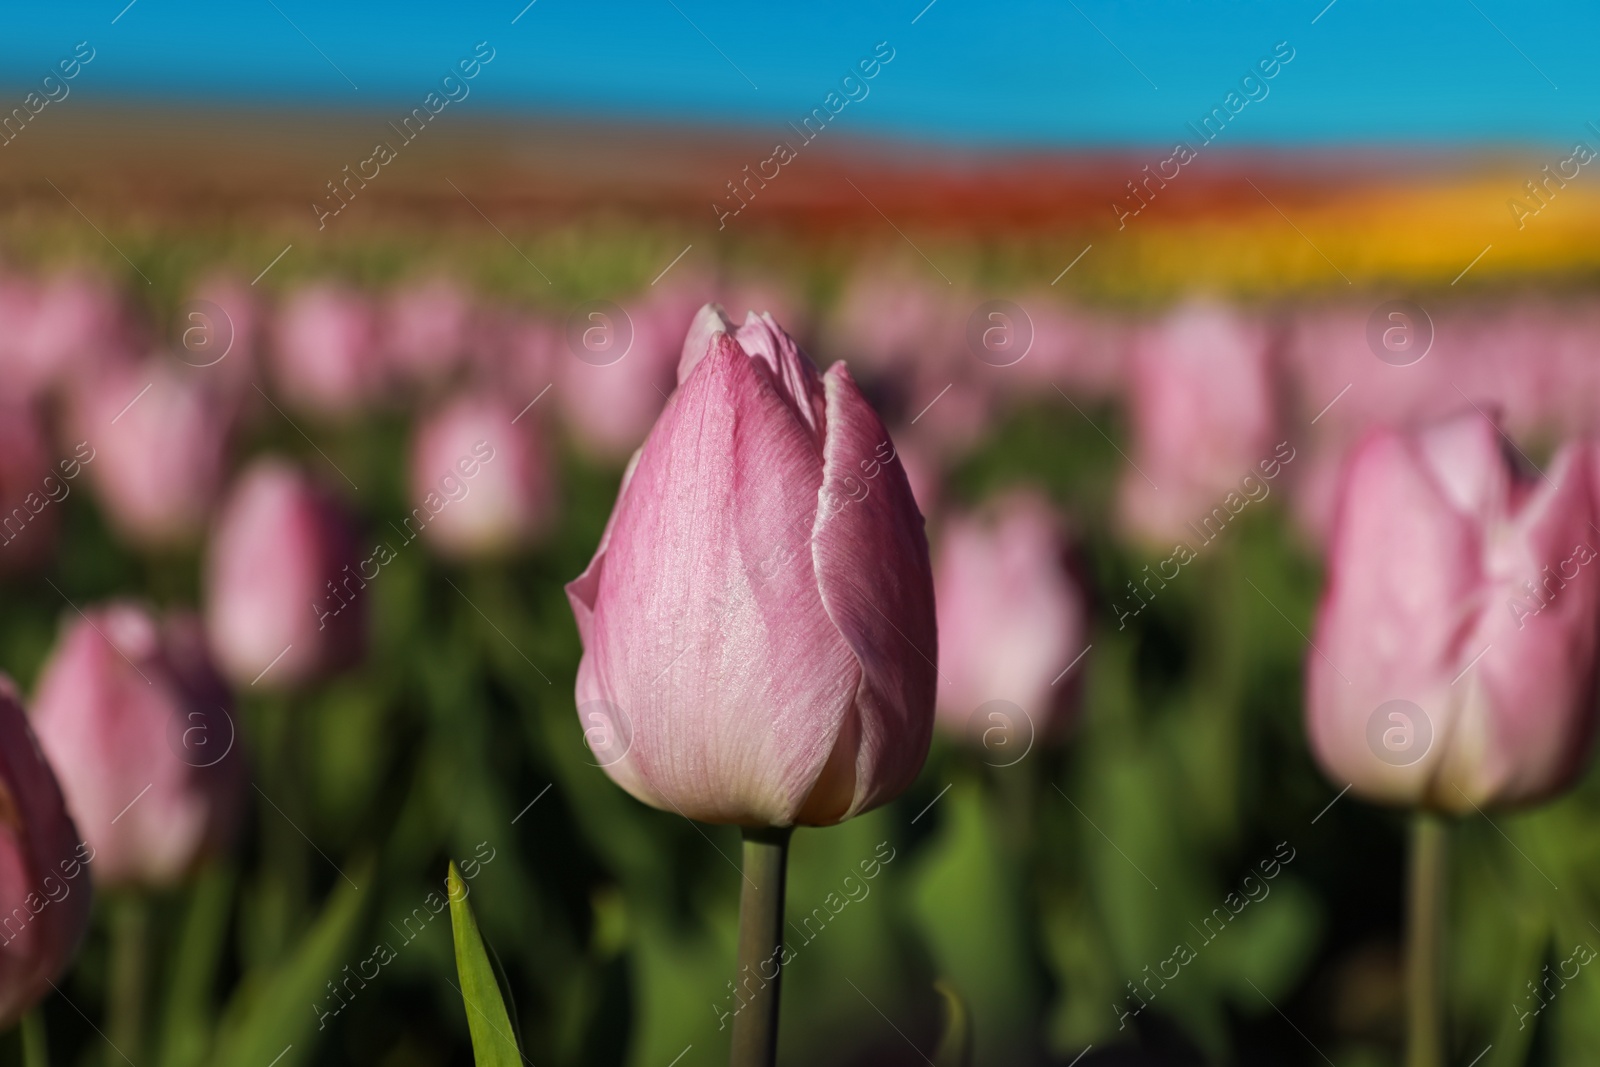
[
  {"x": 427, "y": 328},
  {"x": 757, "y": 623},
  {"x": 525, "y": 354},
  {"x": 161, "y": 434},
  {"x": 284, "y": 596},
  {"x": 136, "y": 723},
  {"x": 80, "y": 322},
  {"x": 44, "y": 869},
  {"x": 219, "y": 331},
  {"x": 1012, "y": 616},
  {"x": 1204, "y": 412},
  {"x": 325, "y": 352},
  {"x": 481, "y": 482},
  {"x": 31, "y": 490},
  {"x": 1454, "y": 654},
  {"x": 1081, "y": 352},
  {"x": 890, "y": 322}
]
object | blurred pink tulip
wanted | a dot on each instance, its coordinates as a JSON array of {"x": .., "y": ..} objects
[
  {"x": 160, "y": 437},
  {"x": 1203, "y": 413},
  {"x": 284, "y": 599},
  {"x": 325, "y": 352},
  {"x": 1082, "y": 353},
  {"x": 924, "y": 473},
  {"x": 609, "y": 403},
  {"x": 890, "y": 322},
  {"x": 481, "y": 482},
  {"x": 31, "y": 489},
  {"x": 138, "y": 726},
  {"x": 1454, "y": 656},
  {"x": 44, "y": 869},
  {"x": 57, "y": 329},
  {"x": 1012, "y": 616},
  {"x": 757, "y": 621},
  {"x": 524, "y": 353},
  {"x": 219, "y": 331},
  {"x": 427, "y": 330}
]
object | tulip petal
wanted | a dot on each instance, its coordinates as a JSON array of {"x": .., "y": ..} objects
[
  {"x": 872, "y": 566},
  {"x": 1401, "y": 550},
  {"x": 1539, "y": 668},
  {"x": 585, "y": 588},
  {"x": 707, "y": 627},
  {"x": 708, "y": 322}
]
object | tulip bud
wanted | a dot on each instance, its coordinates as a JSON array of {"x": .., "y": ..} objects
[
  {"x": 1075, "y": 350},
  {"x": 161, "y": 441},
  {"x": 326, "y": 354},
  {"x": 31, "y": 491},
  {"x": 78, "y": 323},
  {"x": 44, "y": 869},
  {"x": 1203, "y": 412},
  {"x": 891, "y": 323},
  {"x": 138, "y": 726},
  {"x": 426, "y": 330},
  {"x": 1453, "y": 660},
  {"x": 757, "y": 623},
  {"x": 480, "y": 478},
  {"x": 528, "y": 353},
  {"x": 1012, "y": 617},
  {"x": 285, "y": 596},
  {"x": 218, "y": 332}
]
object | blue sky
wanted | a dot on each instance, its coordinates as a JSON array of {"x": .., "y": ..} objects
[{"x": 1083, "y": 73}]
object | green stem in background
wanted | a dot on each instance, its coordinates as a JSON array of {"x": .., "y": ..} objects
[
  {"x": 755, "y": 1026},
  {"x": 35, "y": 1050},
  {"x": 189, "y": 1013},
  {"x": 130, "y": 919},
  {"x": 1425, "y": 942}
]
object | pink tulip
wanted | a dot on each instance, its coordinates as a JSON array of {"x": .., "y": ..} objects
[
  {"x": 1075, "y": 350},
  {"x": 138, "y": 727},
  {"x": 890, "y": 322},
  {"x": 326, "y": 357},
  {"x": 160, "y": 435},
  {"x": 1204, "y": 414},
  {"x": 219, "y": 331},
  {"x": 1453, "y": 661},
  {"x": 284, "y": 596},
  {"x": 481, "y": 482},
  {"x": 31, "y": 489},
  {"x": 57, "y": 329},
  {"x": 427, "y": 330},
  {"x": 522, "y": 353},
  {"x": 1012, "y": 617},
  {"x": 44, "y": 869},
  {"x": 757, "y": 622}
]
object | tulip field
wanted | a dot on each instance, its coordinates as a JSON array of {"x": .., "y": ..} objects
[
  {"x": 873, "y": 535},
  {"x": 1123, "y": 670}
]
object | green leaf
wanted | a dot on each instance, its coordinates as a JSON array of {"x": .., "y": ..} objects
[
  {"x": 273, "y": 1013},
  {"x": 189, "y": 1011},
  {"x": 492, "y": 1043},
  {"x": 955, "y": 1047}
]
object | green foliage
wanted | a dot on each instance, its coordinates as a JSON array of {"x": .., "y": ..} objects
[
  {"x": 493, "y": 1040},
  {"x": 268, "y": 1016}
]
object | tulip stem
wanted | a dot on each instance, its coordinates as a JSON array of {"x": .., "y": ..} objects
[
  {"x": 755, "y": 1023},
  {"x": 1425, "y": 942},
  {"x": 35, "y": 1050},
  {"x": 126, "y": 979}
]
